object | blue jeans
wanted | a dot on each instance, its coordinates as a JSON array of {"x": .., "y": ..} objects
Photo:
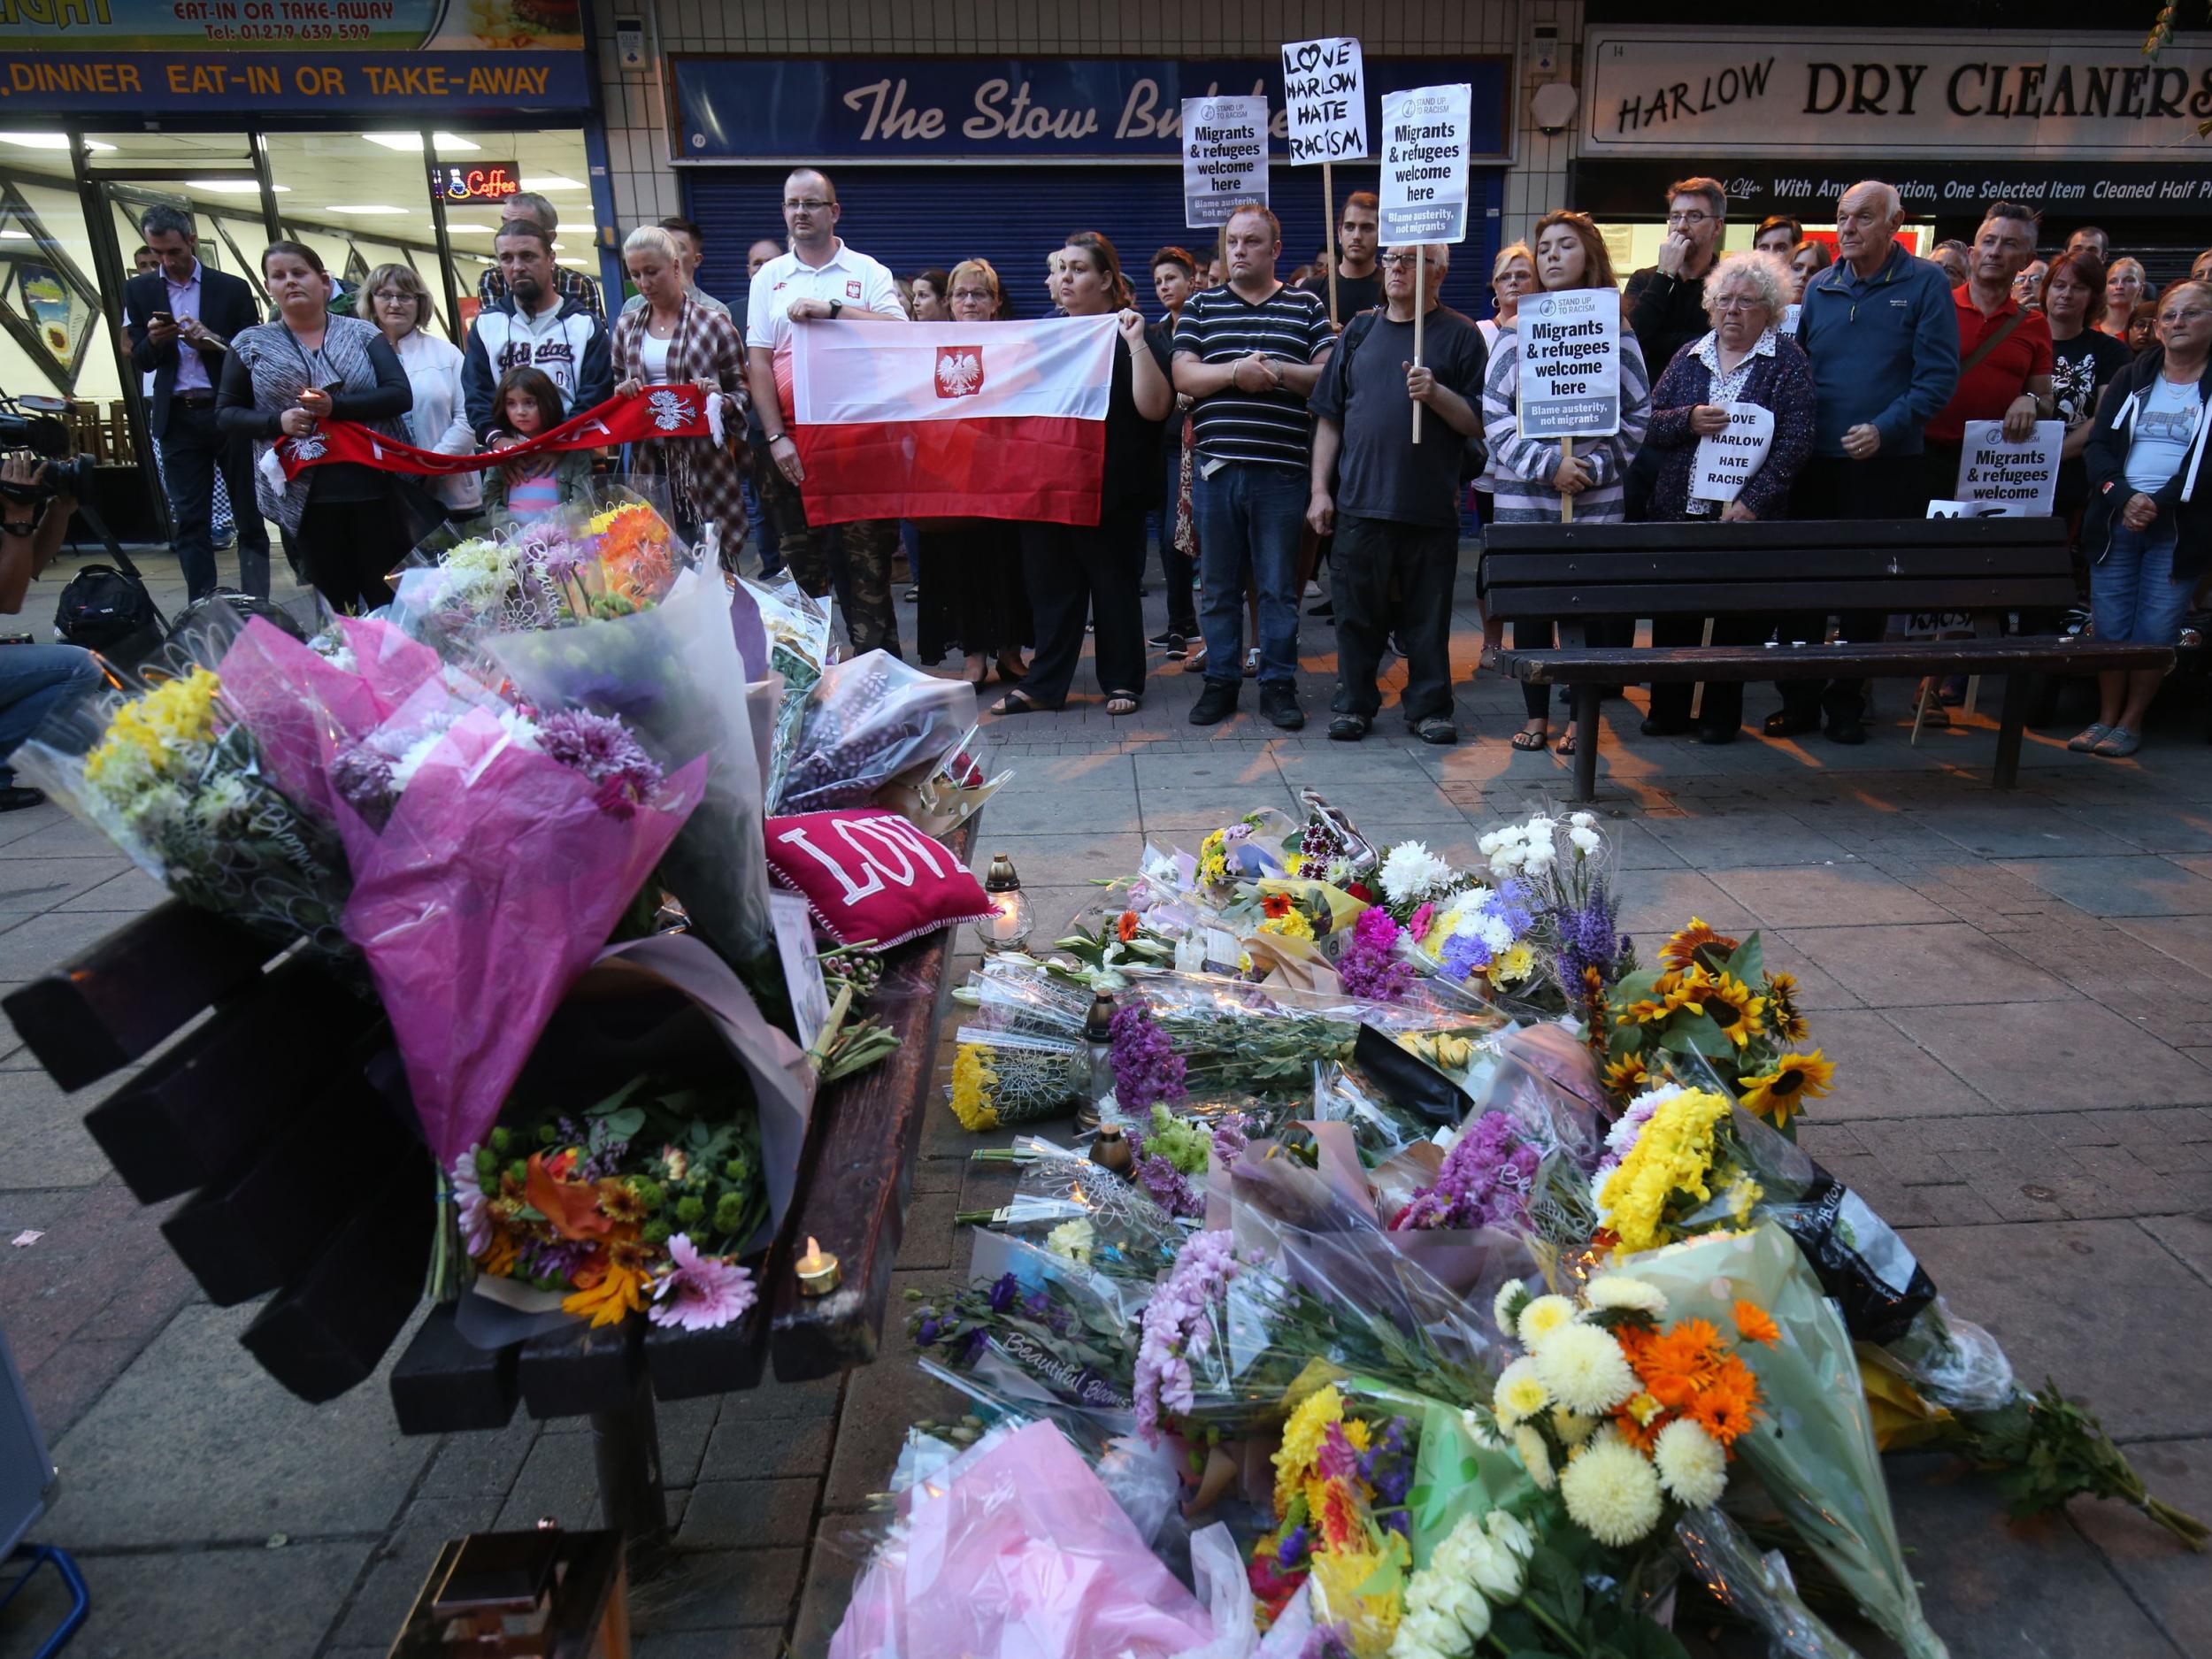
[
  {"x": 35, "y": 681},
  {"x": 2132, "y": 594},
  {"x": 1250, "y": 517}
]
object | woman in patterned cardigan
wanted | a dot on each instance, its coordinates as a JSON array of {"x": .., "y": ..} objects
[
  {"x": 671, "y": 340},
  {"x": 1744, "y": 359}
]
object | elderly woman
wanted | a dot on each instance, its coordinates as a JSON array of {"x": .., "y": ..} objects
[
  {"x": 671, "y": 340},
  {"x": 1512, "y": 274},
  {"x": 396, "y": 301},
  {"x": 2149, "y": 526},
  {"x": 1745, "y": 359},
  {"x": 2125, "y": 287},
  {"x": 971, "y": 591},
  {"x": 1534, "y": 477},
  {"x": 278, "y": 380}
]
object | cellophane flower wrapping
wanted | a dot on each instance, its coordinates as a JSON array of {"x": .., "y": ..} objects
[
  {"x": 1813, "y": 1450},
  {"x": 672, "y": 674},
  {"x": 798, "y": 628},
  {"x": 866, "y": 722},
  {"x": 1001, "y": 1078},
  {"x": 1757, "y": 1586},
  {"x": 171, "y": 773},
  {"x": 1017, "y": 1548}
]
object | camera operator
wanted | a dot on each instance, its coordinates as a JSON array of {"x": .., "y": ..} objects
[{"x": 34, "y": 679}]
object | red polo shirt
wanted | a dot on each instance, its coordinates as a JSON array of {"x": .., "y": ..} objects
[{"x": 1987, "y": 390}]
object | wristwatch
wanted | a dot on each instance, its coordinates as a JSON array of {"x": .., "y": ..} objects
[{"x": 835, "y": 306}]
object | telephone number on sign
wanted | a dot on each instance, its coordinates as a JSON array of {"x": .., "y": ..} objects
[{"x": 290, "y": 32}]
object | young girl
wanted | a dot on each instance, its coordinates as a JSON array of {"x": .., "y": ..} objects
[{"x": 532, "y": 487}]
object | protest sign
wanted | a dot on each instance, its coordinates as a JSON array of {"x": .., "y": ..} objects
[
  {"x": 1790, "y": 314},
  {"x": 1731, "y": 456},
  {"x": 1224, "y": 157},
  {"x": 1570, "y": 364},
  {"x": 1324, "y": 95},
  {"x": 1425, "y": 165},
  {"x": 2020, "y": 478}
]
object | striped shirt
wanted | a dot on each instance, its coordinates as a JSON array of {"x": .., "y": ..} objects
[
  {"x": 1271, "y": 427},
  {"x": 1524, "y": 468}
]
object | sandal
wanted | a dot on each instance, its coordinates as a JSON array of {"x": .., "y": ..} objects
[
  {"x": 1011, "y": 673},
  {"x": 1566, "y": 743},
  {"x": 1019, "y": 701},
  {"x": 1529, "y": 740},
  {"x": 1120, "y": 702},
  {"x": 2087, "y": 739},
  {"x": 2118, "y": 741}
]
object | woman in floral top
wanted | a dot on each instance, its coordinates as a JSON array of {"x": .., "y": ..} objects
[{"x": 1744, "y": 359}]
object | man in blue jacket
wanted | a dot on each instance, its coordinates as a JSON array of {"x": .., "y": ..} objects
[
  {"x": 1881, "y": 330},
  {"x": 533, "y": 324}
]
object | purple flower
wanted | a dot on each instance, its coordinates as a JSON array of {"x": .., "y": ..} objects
[
  {"x": 1291, "y": 1549},
  {"x": 1147, "y": 1069},
  {"x": 1003, "y": 1294},
  {"x": 362, "y": 778},
  {"x": 1588, "y": 939},
  {"x": 1464, "y": 956},
  {"x": 602, "y": 750},
  {"x": 1327, "y": 1641},
  {"x": 1338, "y": 1458},
  {"x": 1369, "y": 965},
  {"x": 1177, "y": 1328},
  {"x": 700, "y": 1292},
  {"x": 1230, "y": 1137},
  {"x": 926, "y": 1332},
  {"x": 1485, "y": 1181},
  {"x": 555, "y": 1259},
  {"x": 1167, "y": 1187}
]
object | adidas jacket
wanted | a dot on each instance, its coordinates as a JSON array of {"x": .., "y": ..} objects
[{"x": 571, "y": 348}]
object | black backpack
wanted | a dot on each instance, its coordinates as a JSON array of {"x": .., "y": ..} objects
[
  {"x": 108, "y": 609},
  {"x": 1472, "y": 451}
]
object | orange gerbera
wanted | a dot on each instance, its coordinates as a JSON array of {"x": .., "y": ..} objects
[
  {"x": 1680, "y": 952},
  {"x": 620, "y": 1291},
  {"x": 1727, "y": 1407},
  {"x": 1125, "y": 927},
  {"x": 1753, "y": 1323},
  {"x": 1275, "y": 904}
]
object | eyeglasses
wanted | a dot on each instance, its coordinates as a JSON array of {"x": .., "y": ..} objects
[
  {"x": 390, "y": 297},
  {"x": 981, "y": 295},
  {"x": 1738, "y": 303},
  {"x": 1690, "y": 218},
  {"x": 1405, "y": 261},
  {"x": 2193, "y": 314},
  {"x": 805, "y": 204}
]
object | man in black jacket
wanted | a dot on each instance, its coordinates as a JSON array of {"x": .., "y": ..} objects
[
  {"x": 1666, "y": 302},
  {"x": 180, "y": 319}
]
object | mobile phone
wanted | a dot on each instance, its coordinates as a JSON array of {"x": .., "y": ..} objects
[{"x": 161, "y": 317}]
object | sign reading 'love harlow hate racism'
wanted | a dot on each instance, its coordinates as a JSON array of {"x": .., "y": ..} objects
[
  {"x": 1726, "y": 458},
  {"x": 1225, "y": 158},
  {"x": 1424, "y": 165},
  {"x": 1324, "y": 94},
  {"x": 1570, "y": 364}
]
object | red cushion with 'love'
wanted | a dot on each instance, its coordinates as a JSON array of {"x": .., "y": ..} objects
[{"x": 872, "y": 876}]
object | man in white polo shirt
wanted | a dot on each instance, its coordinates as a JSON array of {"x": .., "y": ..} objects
[{"x": 819, "y": 280}]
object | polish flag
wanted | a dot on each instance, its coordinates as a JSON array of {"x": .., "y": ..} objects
[{"x": 950, "y": 421}]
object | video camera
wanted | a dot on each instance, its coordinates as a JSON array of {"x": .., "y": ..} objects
[{"x": 35, "y": 424}]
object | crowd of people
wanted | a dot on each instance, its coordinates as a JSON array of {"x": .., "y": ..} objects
[{"x": 1255, "y": 429}]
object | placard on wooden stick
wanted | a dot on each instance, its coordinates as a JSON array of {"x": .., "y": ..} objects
[
  {"x": 1325, "y": 96},
  {"x": 1225, "y": 158},
  {"x": 1570, "y": 368},
  {"x": 1424, "y": 182}
]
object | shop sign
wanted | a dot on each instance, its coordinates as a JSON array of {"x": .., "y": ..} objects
[
  {"x": 1083, "y": 109},
  {"x": 476, "y": 181},
  {"x": 2064, "y": 192},
  {"x": 133, "y": 59},
  {"x": 1831, "y": 93}
]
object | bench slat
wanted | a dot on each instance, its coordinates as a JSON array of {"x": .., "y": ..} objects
[
  {"x": 1900, "y": 658},
  {"x": 1782, "y": 535},
  {"x": 119, "y": 999},
  {"x": 1709, "y": 599},
  {"x": 444, "y": 1384},
  {"x": 1504, "y": 572},
  {"x": 577, "y": 1369}
]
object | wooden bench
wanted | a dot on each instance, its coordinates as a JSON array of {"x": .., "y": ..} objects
[
  {"x": 1985, "y": 568},
  {"x": 291, "y": 1076}
]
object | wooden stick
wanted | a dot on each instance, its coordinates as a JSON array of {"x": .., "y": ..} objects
[
  {"x": 1328, "y": 230},
  {"x": 1420, "y": 303},
  {"x": 1567, "y": 502}
]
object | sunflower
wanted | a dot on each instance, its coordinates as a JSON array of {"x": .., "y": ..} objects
[
  {"x": 1726, "y": 1000},
  {"x": 1795, "y": 1077},
  {"x": 1680, "y": 950},
  {"x": 1669, "y": 992},
  {"x": 1782, "y": 1012},
  {"x": 1627, "y": 1075}
]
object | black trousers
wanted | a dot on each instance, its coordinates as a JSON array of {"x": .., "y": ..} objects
[
  {"x": 1723, "y": 698},
  {"x": 1072, "y": 571},
  {"x": 972, "y": 593},
  {"x": 1392, "y": 576},
  {"x": 192, "y": 450},
  {"x": 1535, "y": 633},
  {"x": 347, "y": 548},
  {"x": 1834, "y": 487}
]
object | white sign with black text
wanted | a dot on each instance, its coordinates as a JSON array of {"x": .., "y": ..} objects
[
  {"x": 1425, "y": 165},
  {"x": 2020, "y": 478},
  {"x": 1224, "y": 157},
  {"x": 1570, "y": 364},
  {"x": 1324, "y": 95},
  {"x": 1728, "y": 457}
]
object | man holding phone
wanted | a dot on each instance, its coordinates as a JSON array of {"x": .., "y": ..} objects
[{"x": 181, "y": 318}]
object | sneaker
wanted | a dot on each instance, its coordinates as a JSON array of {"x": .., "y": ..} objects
[
  {"x": 1252, "y": 663},
  {"x": 15, "y": 796},
  {"x": 1436, "y": 729},
  {"x": 1216, "y": 704},
  {"x": 1348, "y": 728},
  {"x": 1171, "y": 643},
  {"x": 1313, "y": 591},
  {"x": 1278, "y": 701}
]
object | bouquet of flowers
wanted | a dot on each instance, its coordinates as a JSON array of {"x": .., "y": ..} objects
[
  {"x": 1450, "y": 925},
  {"x": 173, "y": 775},
  {"x": 1712, "y": 1003},
  {"x": 1002, "y": 1078},
  {"x": 639, "y": 1204},
  {"x": 867, "y": 722},
  {"x": 1485, "y": 1179},
  {"x": 1076, "y": 1210},
  {"x": 1561, "y": 868},
  {"x": 798, "y": 629}
]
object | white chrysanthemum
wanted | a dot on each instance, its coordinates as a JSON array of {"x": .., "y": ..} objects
[
  {"x": 1582, "y": 820},
  {"x": 1585, "y": 1369},
  {"x": 1611, "y": 1493},
  {"x": 1495, "y": 931},
  {"x": 1535, "y": 1456},
  {"x": 1520, "y": 1393},
  {"x": 1624, "y": 1290},
  {"x": 1504, "y": 1312},
  {"x": 1480, "y": 1429},
  {"x": 1543, "y": 1315},
  {"x": 1572, "y": 1427},
  {"x": 1074, "y": 1239},
  {"x": 1691, "y": 1463},
  {"x": 1585, "y": 841},
  {"x": 1410, "y": 870}
]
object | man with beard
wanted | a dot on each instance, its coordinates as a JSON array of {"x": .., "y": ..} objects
[{"x": 533, "y": 326}]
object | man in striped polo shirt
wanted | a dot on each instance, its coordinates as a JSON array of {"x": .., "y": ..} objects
[{"x": 1249, "y": 352}]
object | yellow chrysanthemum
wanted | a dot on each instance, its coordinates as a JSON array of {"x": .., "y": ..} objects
[
  {"x": 1673, "y": 1154},
  {"x": 1371, "y": 1621},
  {"x": 1302, "y": 1442},
  {"x": 1782, "y": 1090},
  {"x": 175, "y": 715},
  {"x": 1292, "y": 924},
  {"x": 1514, "y": 964},
  {"x": 972, "y": 1080},
  {"x": 1520, "y": 1393}
]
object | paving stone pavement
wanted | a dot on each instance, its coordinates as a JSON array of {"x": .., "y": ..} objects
[{"x": 2018, "y": 987}]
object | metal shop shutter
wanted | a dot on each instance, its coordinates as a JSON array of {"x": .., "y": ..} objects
[{"x": 1012, "y": 215}]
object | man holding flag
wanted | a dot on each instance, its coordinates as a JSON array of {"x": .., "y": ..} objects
[{"x": 820, "y": 280}]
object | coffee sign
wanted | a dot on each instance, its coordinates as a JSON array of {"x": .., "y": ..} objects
[{"x": 1833, "y": 92}]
